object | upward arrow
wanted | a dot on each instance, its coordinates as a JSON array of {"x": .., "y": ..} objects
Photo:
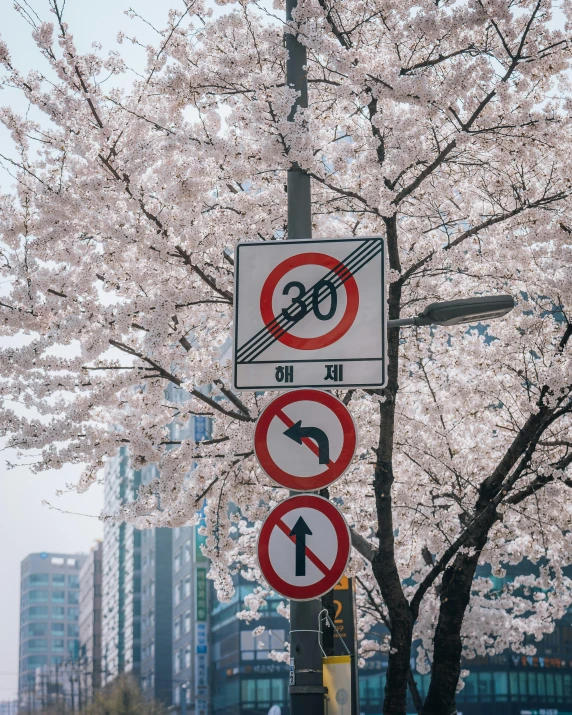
[
  {"x": 300, "y": 531},
  {"x": 297, "y": 433}
]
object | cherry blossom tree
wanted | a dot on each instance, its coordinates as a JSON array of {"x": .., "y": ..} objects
[{"x": 443, "y": 126}]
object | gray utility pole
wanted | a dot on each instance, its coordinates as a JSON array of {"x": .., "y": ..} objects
[
  {"x": 307, "y": 691},
  {"x": 299, "y": 192},
  {"x": 183, "y": 695}
]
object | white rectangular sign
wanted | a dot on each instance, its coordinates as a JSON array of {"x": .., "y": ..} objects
[{"x": 310, "y": 313}]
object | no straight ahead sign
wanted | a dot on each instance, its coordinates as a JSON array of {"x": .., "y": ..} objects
[{"x": 304, "y": 547}]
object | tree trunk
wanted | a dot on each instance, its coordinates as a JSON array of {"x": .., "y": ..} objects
[
  {"x": 387, "y": 576},
  {"x": 414, "y": 690},
  {"x": 384, "y": 565},
  {"x": 455, "y": 596}
]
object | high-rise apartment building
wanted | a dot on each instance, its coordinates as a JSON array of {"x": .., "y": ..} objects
[
  {"x": 49, "y": 615},
  {"x": 90, "y": 592},
  {"x": 190, "y": 619},
  {"x": 156, "y": 614},
  {"x": 155, "y": 611},
  {"x": 121, "y": 600},
  {"x": 9, "y": 707},
  {"x": 191, "y": 623},
  {"x": 137, "y": 589},
  {"x": 183, "y": 603}
]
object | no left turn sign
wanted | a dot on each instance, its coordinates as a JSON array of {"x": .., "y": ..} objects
[
  {"x": 305, "y": 439},
  {"x": 310, "y": 314},
  {"x": 304, "y": 547}
]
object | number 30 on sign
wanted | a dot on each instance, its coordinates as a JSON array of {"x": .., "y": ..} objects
[{"x": 310, "y": 314}]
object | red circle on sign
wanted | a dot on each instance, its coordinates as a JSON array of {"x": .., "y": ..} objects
[
  {"x": 321, "y": 341},
  {"x": 332, "y": 574},
  {"x": 334, "y": 469}
]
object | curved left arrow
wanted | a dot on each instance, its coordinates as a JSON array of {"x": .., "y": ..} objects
[{"x": 298, "y": 433}]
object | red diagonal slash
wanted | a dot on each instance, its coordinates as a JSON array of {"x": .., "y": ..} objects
[
  {"x": 307, "y": 441},
  {"x": 309, "y": 554}
]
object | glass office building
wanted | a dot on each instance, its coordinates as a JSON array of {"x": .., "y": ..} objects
[
  {"x": 245, "y": 681},
  {"x": 500, "y": 685},
  {"x": 49, "y": 617},
  {"x": 505, "y": 684}
]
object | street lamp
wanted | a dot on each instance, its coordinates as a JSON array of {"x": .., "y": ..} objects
[{"x": 462, "y": 310}]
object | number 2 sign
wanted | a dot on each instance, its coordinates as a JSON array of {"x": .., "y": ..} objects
[{"x": 310, "y": 314}]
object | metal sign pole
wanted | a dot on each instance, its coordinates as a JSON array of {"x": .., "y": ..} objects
[
  {"x": 299, "y": 192},
  {"x": 306, "y": 680}
]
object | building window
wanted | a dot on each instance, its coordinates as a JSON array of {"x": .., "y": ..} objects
[
  {"x": 38, "y": 612},
  {"x": 188, "y": 656},
  {"x": 187, "y": 586},
  {"x": 178, "y": 560},
  {"x": 58, "y": 579},
  {"x": 58, "y": 629},
  {"x": 263, "y": 692},
  {"x": 178, "y": 661},
  {"x": 58, "y": 645},
  {"x": 187, "y": 549},
  {"x": 36, "y": 644},
  {"x": 501, "y": 686},
  {"x": 73, "y": 613},
  {"x": 177, "y": 628},
  {"x": 37, "y": 629},
  {"x": 73, "y": 597},
  {"x": 36, "y": 661},
  {"x": 58, "y": 596},
  {"x": 258, "y": 647},
  {"x": 187, "y": 621},
  {"x": 58, "y": 612},
  {"x": 39, "y": 579},
  {"x": 73, "y": 631},
  {"x": 73, "y": 581},
  {"x": 38, "y": 596},
  {"x": 248, "y": 692}
]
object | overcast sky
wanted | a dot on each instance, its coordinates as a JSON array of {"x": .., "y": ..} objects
[{"x": 25, "y": 525}]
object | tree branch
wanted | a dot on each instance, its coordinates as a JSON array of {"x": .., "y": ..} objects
[{"x": 363, "y": 546}]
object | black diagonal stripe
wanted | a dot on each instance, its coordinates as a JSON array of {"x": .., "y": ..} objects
[
  {"x": 280, "y": 324},
  {"x": 265, "y": 337}
]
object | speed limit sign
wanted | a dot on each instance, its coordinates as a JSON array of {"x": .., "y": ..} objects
[{"x": 310, "y": 314}]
